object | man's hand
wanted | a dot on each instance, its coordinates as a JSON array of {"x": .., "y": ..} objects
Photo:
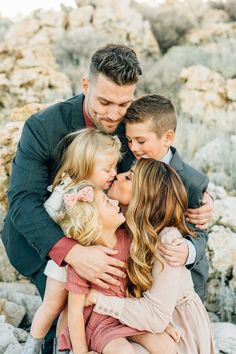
[
  {"x": 176, "y": 253},
  {"x": 202, "y": 216},
  {"x": 96, "y": 264},
  {"x": 91, "y": 298}
]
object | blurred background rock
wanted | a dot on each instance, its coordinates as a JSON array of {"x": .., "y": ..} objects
[{"x": 188, "y": 52}]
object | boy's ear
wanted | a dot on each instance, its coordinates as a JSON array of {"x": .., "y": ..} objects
[
  {"x": 169, "y": 137},
  {"x": 85, "y": 85}
]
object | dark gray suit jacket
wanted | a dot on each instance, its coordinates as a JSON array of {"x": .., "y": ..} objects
[
  {"x": 29, "y": 233},
  {"x": 196, "y": 184}
]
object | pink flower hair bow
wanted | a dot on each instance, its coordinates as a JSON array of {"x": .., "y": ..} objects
[{"x": 86, "y": 194}]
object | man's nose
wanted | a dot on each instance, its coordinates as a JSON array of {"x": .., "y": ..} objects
[{"x": 114, "y": 113}]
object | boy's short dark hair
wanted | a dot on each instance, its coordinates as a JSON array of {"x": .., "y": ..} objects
[
  {"x": 159, "y": 109},
  {"x": 117, "y": 62}
]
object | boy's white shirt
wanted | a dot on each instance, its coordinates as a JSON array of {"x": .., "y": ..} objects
[{"x": 191, "y": 248}]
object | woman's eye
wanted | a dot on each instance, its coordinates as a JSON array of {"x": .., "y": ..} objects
[{"x": 128, "y": 178}]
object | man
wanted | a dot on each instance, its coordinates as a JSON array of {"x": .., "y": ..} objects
[{"x": 30, "y": 236}]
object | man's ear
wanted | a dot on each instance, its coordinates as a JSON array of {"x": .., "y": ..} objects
[
  {"x": 85, "y": 85},
  {"x": 169, "y": 137}
]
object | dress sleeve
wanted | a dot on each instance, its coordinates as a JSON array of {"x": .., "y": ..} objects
[
  {"x": 75, "y": 283},
  {"x": 154, "y": 310}
]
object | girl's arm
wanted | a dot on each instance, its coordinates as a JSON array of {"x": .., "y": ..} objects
[{"x": 76, "y": 323}]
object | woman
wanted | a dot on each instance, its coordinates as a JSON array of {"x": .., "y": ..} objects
[{"x": 163, "y": 293}]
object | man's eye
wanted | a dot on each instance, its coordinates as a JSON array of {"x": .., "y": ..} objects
[{"x": 104, "y": 103}]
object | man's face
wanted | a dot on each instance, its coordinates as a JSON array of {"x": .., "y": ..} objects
[{"x": 106, "y": 102}]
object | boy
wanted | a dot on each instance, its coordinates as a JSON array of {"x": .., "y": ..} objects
[{"x": 150, "y": 124}]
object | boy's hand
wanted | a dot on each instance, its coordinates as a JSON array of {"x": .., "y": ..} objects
[
  {"x": 202, "y": 216},
  {"x": 176, "y": 253},
  {"x": 173, "y": 333}
]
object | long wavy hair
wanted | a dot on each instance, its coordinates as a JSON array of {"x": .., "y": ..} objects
[
  {"x": 159, "y": 200},
  {"x": 80, "y": 149}
]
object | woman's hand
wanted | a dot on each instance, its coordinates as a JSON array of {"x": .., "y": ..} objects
[{"x": 91, "y": 298}]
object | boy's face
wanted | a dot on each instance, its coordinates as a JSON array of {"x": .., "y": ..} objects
[{"x": 144, "y": 143}]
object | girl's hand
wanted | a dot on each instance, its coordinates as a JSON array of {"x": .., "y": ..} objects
[
  {"x": 91, "y": 298},
  {"x": 173, "y": 333}
]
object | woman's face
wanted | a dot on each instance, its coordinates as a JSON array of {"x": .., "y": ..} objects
[{"x": 121, "y": 187}]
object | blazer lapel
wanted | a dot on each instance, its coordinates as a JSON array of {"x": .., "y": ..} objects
[{"x": 176, "y": 162}]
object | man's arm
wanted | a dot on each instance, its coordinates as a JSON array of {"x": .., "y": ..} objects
[{"x": 28, "y": 188}]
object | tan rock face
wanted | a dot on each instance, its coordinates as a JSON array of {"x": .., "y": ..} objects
[
  {"x": 28, "y": 70},
  {"x": 210, "y": 32},
  {"x": 208, "y": 97}
]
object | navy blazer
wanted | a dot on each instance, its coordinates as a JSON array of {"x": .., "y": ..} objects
[{"x": 196, "y": 184}]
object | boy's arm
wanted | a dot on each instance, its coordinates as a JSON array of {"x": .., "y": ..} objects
[{"x": 76, "y": 323}]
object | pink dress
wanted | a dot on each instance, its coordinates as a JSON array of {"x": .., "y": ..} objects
[{"x": 100, "y": 329}]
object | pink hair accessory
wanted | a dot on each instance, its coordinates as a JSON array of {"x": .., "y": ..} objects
[{"x": 86, "y": 194}]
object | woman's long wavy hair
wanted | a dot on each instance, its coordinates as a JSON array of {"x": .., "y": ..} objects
[{"x": 159, "y": 200}]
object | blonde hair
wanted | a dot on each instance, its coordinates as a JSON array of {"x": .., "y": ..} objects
[
  {"x": 159, "y": 199},
  {"x": 81, "y": 221},
  {"x": 78, "y": 160}
]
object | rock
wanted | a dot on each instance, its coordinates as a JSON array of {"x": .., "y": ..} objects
[
  {"x": 205, "y": 95},
  {"x": 222, "y": 245},
  {"x": 8, "y": 343},
  {"x": 217, "y": 159},
  {"x": 225, "y": 337},
  {"x": 7, "y": 271},
  {"x": 13, "y": 312},
  {"x": 23, "y": 113},
  {"x": 210, "y": 33}
]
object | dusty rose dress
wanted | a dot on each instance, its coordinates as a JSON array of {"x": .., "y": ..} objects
[{"x": 100, "y": 329}]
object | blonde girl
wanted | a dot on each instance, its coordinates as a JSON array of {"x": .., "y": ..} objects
[{"x": 91, "y": 155}]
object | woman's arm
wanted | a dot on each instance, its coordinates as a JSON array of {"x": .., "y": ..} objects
[
  {"x": 76, "y": 323},
  {"x": 154, "y": 310}
]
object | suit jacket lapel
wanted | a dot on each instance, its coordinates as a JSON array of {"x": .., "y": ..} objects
[
  {"x": 176, "y": 162},
  {"x": 77, "y": 121}
]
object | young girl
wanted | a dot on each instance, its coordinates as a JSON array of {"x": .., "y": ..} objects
[
  {"x": 90, "y": 217},
  {"x": 163, "y": 293},
  {"x": 90, "y": 155}
]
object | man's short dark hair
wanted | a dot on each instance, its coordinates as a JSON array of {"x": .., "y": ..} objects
[
  {"x": 155, "y": 108},
  {"x": 117, "y": 62}
]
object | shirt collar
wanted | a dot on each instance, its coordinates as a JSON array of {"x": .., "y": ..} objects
[
  {"x": 167, "y": 158},
  {"x": 87, "y": 120}
]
